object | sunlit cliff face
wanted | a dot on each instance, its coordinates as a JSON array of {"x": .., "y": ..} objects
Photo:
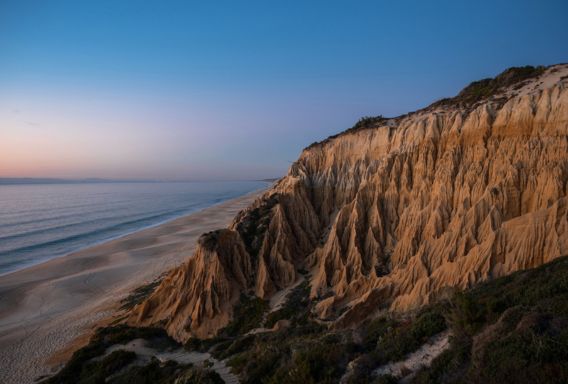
[{"x": 393, "y": 216}]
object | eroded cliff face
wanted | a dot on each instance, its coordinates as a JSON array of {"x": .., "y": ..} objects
[{"x": 392, "y": 216}]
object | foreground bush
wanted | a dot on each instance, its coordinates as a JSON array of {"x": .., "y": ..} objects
[{"x": 511, "y": 330}]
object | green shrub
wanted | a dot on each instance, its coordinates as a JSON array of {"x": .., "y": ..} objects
[
  {"x": 253, "y": 225},
  {"x": 510, "y": 330},
  {"x": 466, "y": 316},
  {"x": 152, "y": 373},
  {"x": 247, "y": 315},
  {"x": 199, "y": 376},
  {"x": 296, "y": 308},
  {"x": 232, "y": 347},
  {"x": 375, "y": 330},
  {"x": 80, "y": 365},
  {"x": 385, "y": 379},
  {"x": 139, "y": 294},
  {"x": 318, "y": 361},
  {"x": 204, "y": 345},
  {"x": 406, "y": 338},
  {"x": 485, "y": 88}
]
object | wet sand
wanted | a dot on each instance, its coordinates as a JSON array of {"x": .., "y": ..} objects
[{"x": 48, "y": 307}]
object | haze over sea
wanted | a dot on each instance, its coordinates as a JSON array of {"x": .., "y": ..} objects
[{"x": 41, "y": 221}]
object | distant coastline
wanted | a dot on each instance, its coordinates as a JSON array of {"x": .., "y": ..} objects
[{"x": 34, "y": 180}]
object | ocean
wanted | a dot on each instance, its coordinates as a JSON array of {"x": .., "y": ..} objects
[{"x": 39, "y": 222}]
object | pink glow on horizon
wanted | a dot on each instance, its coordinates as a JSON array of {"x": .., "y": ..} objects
[{"x": 78, "y": 136}]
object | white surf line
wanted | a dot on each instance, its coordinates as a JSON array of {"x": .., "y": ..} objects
[{"x": 417, "y": 360}]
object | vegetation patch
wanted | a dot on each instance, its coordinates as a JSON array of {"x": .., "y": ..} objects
[
  {"x": 210, "y": 240},
  {"x": 97, "y": 371},
  {"x": 296, "y": 308},
  {"x": 308, "y": 352},
  {"x": 483, "y": 89},
  {"x": 365, "y": 122},
  {"x": 511, "y": 330},
  {"x": 302, "y": 355},
  {"x": 474, "y": 93},
  {"x": 169, "y": 372},
  {"x": 405, "y": 338},
  {"x": 81, "y": 366},
  {"x": 254, "y": 224},
  {"x": 139, "y": 295},
  {"x": 387, "y": 339},
  {"x": 229, "y": 348},
  {"x": 248, "y": 315},
  {"x": 87, "y": 366}
]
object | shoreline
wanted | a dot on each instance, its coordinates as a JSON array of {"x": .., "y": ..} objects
[
  {"x": 48, "y": 307},
  {"x": 130, "y": 232}
]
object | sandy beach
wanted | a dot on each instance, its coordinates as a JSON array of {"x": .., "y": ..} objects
[{"x": 48, "y": 307}]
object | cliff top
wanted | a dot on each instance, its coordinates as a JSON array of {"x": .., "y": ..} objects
[{"x": 513, "y": 81}]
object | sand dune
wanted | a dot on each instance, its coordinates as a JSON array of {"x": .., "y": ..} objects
[{"x": 47, "y": 307}]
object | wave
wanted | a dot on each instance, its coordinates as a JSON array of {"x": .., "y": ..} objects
[
  {"x": 58, "y": 228},
  {"x": 40, "y": 233},
  {"x": 125, "y": 225}
]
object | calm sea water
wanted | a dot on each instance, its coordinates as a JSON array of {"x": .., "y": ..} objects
[{"x": 40, "y": 222}]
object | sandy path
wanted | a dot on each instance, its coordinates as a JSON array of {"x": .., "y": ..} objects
[
  {"x": 417, "y": 360},
  {"x": 179, "y": 355},
  {"x": 46, "y": 307}
]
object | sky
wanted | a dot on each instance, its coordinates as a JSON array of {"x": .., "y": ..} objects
[{"x": 218, "y": 90}]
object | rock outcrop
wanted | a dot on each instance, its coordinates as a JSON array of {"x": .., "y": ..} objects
[{"x": 394, "y": 213}]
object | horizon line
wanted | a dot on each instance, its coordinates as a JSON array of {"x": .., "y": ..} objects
[{"x": 99, "y": 180}]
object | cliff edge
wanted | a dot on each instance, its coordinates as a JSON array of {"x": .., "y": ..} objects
[{"x": 393, "y": 213}]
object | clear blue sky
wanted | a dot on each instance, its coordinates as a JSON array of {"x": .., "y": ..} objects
[{"x": 235, "y": 89}]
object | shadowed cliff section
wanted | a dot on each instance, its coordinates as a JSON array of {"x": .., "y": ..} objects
[{"x": 394, "y": 213}]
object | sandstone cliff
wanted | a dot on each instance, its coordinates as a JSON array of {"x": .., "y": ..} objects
[{"x": 394, "y": 212}]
